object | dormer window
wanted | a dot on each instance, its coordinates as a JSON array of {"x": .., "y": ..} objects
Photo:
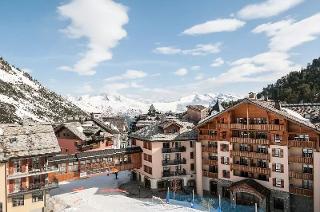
[{"x": 12, "y": 140}]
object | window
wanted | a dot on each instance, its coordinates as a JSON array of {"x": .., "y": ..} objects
[
  {"x": 307, "y": 168},
  {"x": 277, "y": 152},
  {"x": 307, "y": 153},
  {"x": 37, "y": 196},
  {"x": 226, "y": 174},
  {"x": 147, "y": 145},
  {"x": 191, "y": 144},
  {"x": 133, "y": 142},
  {"x": 277, "y": 182},
  {"x": 224, "y": 147},
  {"x": 17, "y": 166},
  {"x": 17, "y": 200},
  {"x": 277, "y": 138},
  {"x": 307, "y": 184},
  {"x": 278, "y": 203},
  {"x": 147, "y": 169},
  {"x": 224, "y": 160},
  {"x": 147, "y": 157},
  {"x": 191, "y": 155},
  {"x": 278, "y": 167},
  {"x": 192, "y": 166},
  {"x": 62, "y": 167}
]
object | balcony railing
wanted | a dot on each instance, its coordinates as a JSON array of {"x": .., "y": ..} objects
[
  {"x": 249, "y": 141},
  {"x": 223, "y": 126},
  {"x": 32, "y": 172},
  {"x": 297, "y": 159},
  {"x": 301, "y": 175},
  {"x": 174, "y": 149},
  {"x": 174, "y": 162},
  {"x": 209, "y": 149},
  {"x": 257, "y": 155},
  {"x": 173, "y": 173},
  {"x": 32, "y": 187},
  {"x": 251, "y": 169},
  {"x": 208, "y": 137},
  {"x": 301, "y": 191},
  {"x": 302, "y": 144},
  {"x": 244, "y": 126},
  {"x": 210, "y": 162},
  {"x": 209, "y": 174}
]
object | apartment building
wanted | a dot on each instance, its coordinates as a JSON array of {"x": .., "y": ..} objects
[
  {"x": 24, "y": 153},
  {"x": 168, "y": 158},
  {"x": 259, "y": 152}
]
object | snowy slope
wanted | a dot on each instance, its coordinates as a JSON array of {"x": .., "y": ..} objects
[
  {"x": 23, "y": 97},
  {"x": 117, "y": 104}
]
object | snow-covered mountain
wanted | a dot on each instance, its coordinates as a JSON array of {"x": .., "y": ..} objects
[
  {"x": 23, "y": 97},
  {"x": 117, "y": 104}
]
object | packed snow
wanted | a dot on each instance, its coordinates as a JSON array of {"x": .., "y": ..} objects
[
  {"x": 117, "y": 104},
  {"x": 101, "y": 193}
]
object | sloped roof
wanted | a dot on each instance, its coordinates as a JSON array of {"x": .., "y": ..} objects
[
  {"x": 27, "y": 140},
  {"x": 155, "y": 132},
  {"x": 267, "y": 105},
  {"x": 217, "y": 107}
]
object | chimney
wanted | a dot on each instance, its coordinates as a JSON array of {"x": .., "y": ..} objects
[{"x": 277, "y": 104}]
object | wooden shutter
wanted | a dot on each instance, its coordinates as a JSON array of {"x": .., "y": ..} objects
[
  {"x": 281, "y": 153},
  {"x": 282, "y": 168},
  {"x": 273, "y": 167},
  {"x": 273, "y": 152},
  {"x": 282, "y": 183},
  {"x": 274, "y": 181}
]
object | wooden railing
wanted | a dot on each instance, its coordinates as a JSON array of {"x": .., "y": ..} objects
[
  {"x": 209, "y": 174},
  {"x": 301, "y": 191},
  {"x": 249, "y": 141},
  {"x": 263, "y": 156},
  {"x": 303, "y": 144},
  {"x": 209, "y": 162},
  {"x": 297, "y": 159},
  {"x": 223, "y": 126},
  {"x": 257, "y": 126},
  {"x": 251, "y": 169},
  {"x": 210, "y": 149},
  {"x": 208, "y": 137},
  {"x": 300, "y": 175}
]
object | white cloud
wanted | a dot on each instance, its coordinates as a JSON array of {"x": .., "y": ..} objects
[
  {"x": 218, "y": 25},
  {"x": 181, "y": 72},
  {"x": 267, "y": 8},
  {"x": 285, "y": 35},
  {"x": 116, "y": 87},
  {"x": 217, "y": 62},
  {"x": 129, "y": 74},
  {"x": 101, "y": 23},
  {"x": 195, "y": 68},
  {"x": 264, "y": 67},
  {"x": 167, "y": 50},
  {"x": 198, "y": 50},
  {"x": 199, "y": 77}
]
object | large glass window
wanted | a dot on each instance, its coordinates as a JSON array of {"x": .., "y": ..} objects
[
  {"x": 17, "y": 200},
  {"x": 37, "y": 196}
]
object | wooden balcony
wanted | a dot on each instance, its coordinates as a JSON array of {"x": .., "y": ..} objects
[
  {"x": 264, "y": 127},
  {"x": 263, "y": 156},
  {"x": 302, "y": 144},
  {"x": 301, "y": 191},
  {"x": 297, "y": 159},
  {"x": 300, "y": 175},
  {"x": 251, "y": 169},
  {"x": 210, "y": 149},
  {"x": 249, "y": 141},
  {"x": 223, "y": 126},
  {"x": 208, "y": 137},
  {"x": 31, "y": 188},
  {"x": 209, "y": 162},
  {"x": 32, "y": 172},
  {"x": 209, "y": 174}
]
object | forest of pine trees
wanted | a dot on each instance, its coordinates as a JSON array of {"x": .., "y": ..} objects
[{"x": 297, "y": 86}]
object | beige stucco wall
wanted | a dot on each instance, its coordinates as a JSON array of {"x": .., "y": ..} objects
[
  {"x": 284, "y": 161},
  {"x": 3, "y": 185},
  {"x": 198, "y": 156},
  {"x": 316, "y": 181},
  {"x": 28, "y": 206}
]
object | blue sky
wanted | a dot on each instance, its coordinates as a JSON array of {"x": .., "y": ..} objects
[{"x": 159, "y": 50}]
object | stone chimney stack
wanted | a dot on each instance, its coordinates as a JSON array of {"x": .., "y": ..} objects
[{"x": 252, "y": 95}]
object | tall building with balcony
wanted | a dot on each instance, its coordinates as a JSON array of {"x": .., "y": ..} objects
[
  {"x": 24, "y": 169},
  {"x": 168, "y": 158},
  {"x": 258, "y": 152}
]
